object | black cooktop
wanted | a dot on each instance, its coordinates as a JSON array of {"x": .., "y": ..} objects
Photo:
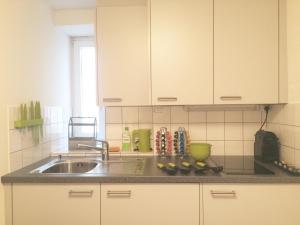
[{"x": 241, "y": 165}]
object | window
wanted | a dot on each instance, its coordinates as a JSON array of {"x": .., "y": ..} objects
[{"x": 84, "y": 83}]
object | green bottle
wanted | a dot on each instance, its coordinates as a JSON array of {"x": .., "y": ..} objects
[{"x": 126, "y": 140}]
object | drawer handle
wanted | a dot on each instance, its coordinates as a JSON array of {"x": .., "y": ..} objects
[
  {"x": 119, "y": 194},
  {"x": 73, "y": 193},
  {"x": 231, "y": 98},
  {"x": 167, "y": 99},
  {"x": 218, "y": 194},
  {"x": 112, "y": 99}
]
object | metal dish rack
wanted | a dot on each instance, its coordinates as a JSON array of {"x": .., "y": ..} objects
[{"x": 75, "y": 132}]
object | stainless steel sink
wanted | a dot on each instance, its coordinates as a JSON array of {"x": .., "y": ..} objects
[
  {"x": 119, "y": 166},
  {"x": 71, "y": 167}
]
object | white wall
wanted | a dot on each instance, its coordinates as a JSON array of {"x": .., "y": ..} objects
[
  {"x": 293, "y": 49},
  {"x": 34, "y": 65},
  {"x": 74, "y": 16},
  {"x": 285, "y": 120}
]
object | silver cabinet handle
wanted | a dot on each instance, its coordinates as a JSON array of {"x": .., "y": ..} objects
[
  {"x": 73, "y": 193},
  {"x": 119, "y": 194},
  {"x": 167, "y": 99},
  {"x": 112, "y": 99},
  {"x": 217, "y": 194},
  {"x": 231, "y": 98}
]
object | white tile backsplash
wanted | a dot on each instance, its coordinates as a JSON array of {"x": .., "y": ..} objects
[
  {"x": 145, "y": 115},
  {"x": 233, "y": 116},
  {"x": 23, "y": 150},
  {"x": 249, "y": 130},
  {"x": 197, "y": 117},
  {"x": 161, "y": 114},
  {"x": 130, "y": 114},
  {"x": 113, "y": 115},
  {"x": 114, "y": 131},
  {"x": 179, "y": 115},
  {"x": 215, "y": 116},
  {"x": 234, "y": 148},
  {"x": 252, "y": 116},
  {"x": 215, "y": 131},
  {"x": 284, "y": 121},
  {"x": 198, "y": 131},
  {"x": 217, "y": 148},
  {"x": 208, "y": 126},
  {"x": 234, "y": 131}
]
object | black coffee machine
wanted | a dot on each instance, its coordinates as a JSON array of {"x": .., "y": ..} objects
[{"x": 266, "y": 145}]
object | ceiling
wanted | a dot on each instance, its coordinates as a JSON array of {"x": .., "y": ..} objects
[{"x": 72, "y": 4}]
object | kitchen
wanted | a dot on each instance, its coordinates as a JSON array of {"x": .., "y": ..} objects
[{"x": 208, "y": 66}]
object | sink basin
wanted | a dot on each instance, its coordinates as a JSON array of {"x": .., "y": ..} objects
[
  {"x": 120, "y": 166},
  {"x": 71, "y": 167}
]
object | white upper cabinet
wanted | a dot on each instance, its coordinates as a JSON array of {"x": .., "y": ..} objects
[
  {"x": 123, "y": 53},
  {"x": 182, "y": 52},
  {"x": 245, "y": 51}
]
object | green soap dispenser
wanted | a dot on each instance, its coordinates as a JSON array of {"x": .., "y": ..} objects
[{"x": 126, "y": 140}]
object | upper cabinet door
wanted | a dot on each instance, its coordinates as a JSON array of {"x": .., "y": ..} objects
[
  {"x": 123, "y": 53},
  {"x": 182, "y": 52},
  {"x": 245, "y": 51}
]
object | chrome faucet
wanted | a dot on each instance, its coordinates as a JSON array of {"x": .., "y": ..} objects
[{"x": 104, "y": 151}]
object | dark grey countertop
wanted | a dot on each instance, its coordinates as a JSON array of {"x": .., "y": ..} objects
[{"x": 237, "y": 169}]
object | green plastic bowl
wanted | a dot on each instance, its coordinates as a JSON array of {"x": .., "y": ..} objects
[{"x": 200, "y": 151}]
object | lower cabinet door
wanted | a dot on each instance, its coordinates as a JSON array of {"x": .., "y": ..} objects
[
  {"x": 251, "y": 204},
  {"x": 56, "y": 204},
  {"x": 150, "y": 204}
]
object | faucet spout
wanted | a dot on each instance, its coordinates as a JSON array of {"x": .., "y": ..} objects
[{"x": 104, "y": 150}]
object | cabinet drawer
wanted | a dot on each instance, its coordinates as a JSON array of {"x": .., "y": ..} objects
[
  {"x": 56, "y": 204},
  {"x": 150, "y": 204}
]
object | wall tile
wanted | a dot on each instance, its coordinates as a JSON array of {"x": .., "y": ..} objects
[
  {"x": 26, "y": 138},
  {"x": 217, "y": 148},
  {"x": 114, "y": 131},
  {"x": 275, "y": 114},
  {"x": 27, "y": 156},
  {"x": 36, "y": 153},
  {"x": 15, "y": 140},
  {"x": 113, "y": 115},
  {"x": 287, "y": 154},
  {"x": 234, "y": 131},
  {"x": 179, "y": 115},
  {"x": 197, "y": 131},
  {"x": 297, "y": 158},
  {"x": 252, "y": 116},
  {"x": 297, "y": 114},
  {"x": 288, "y": 114},
  {"x": 234, "y": 148},
  {"x": 215, "y": 131},
  {"x": 16, "y": 160},
  {"x": 287, "y": 135},
  {"x": 162, "y": 114},
  {"x": 297, "y": 138},
  {"x": 145, "y": 114},
  {"x": 197, "y": 117},
  {"x": 215, "y": 116},
  {"x": 249, "y": 131},
  {"x": 249, "y": 148},
  {"x": 130, "y": 114},
  {"x": 233, "y": 116}
]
